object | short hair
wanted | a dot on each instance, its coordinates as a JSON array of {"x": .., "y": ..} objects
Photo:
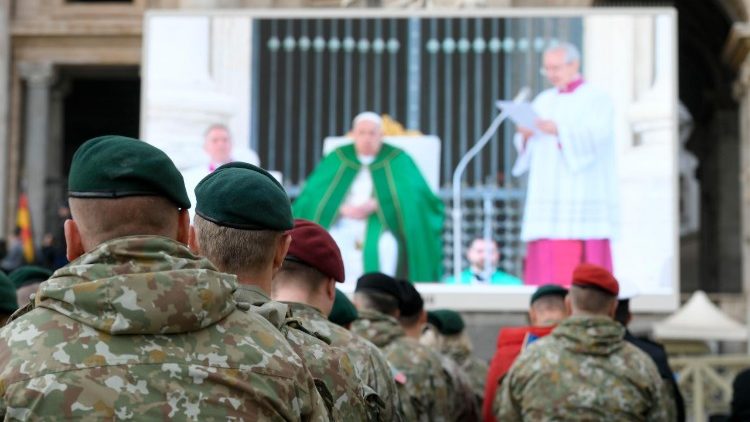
[
  {"x": 411, "y": 320},
  {"x": 213, "y": 126},
  {"x": 376, "y": 301},
  {"x": 233, "y": 250},
  {"x": 572, "y": 54},
  {"x": 368, "y": 116},
  {"x": 299, "y": 274},
  {"x": 591, "y": 299},
  {"x": 103, "y": 219},
  {"x": 549, "y": 303}
]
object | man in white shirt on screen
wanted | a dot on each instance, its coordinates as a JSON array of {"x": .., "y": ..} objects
[
  {"x": 217, "y": 144},
  {"x": 570, "y": 213}
]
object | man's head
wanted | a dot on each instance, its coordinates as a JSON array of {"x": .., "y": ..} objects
[
  {"x": 547, "y": 306},
  {"x": 481, "y": 249},
  {"x": 593, "y": 292},
  {"x": 311, "y": 268},
  {"x": 411, "y": 310},
  {"x": 217, "y": 144},
  {"x": 367, "y": 132},
  {"x": 378, "y": 292},
  {"x": 561, "y": 64},
  {"x": 242, "y": 216},
  {"x": 344, "y": 312},
  {"x": 121, "y": 186}
]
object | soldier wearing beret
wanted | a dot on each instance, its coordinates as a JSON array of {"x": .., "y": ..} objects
[
  {"x": 546, "y": 310},
  {"x": 242, "y": 222},
  {"x": 446, "y": 334},
  {"x": 419, "y": 371},
  {"x": 584, "y": 370},
  {"x": 27, "y": 280},
  {"x": 463, "y": 405},
  {"x": 306, "y": 282},
  {"x": 136, "y": 326},
  {"x": 343, "y": 313}
]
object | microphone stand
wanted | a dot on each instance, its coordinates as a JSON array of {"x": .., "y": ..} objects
[{"x": 457, "y": 212}]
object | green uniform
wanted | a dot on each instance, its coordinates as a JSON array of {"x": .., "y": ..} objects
[
  {"x": 140, "y": 328},
  {"x": 369, "y": 363},
  {"x": 464, "y": 405},
  {"x": 407, "y": 208},
  {"x": 583, "y": 371},
  {"x": 458, "y": 347},
  {"x": 426, "y": 386},
  {"x": 333, "y": 371}
]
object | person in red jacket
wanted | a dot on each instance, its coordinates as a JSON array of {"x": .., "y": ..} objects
[{"x": 546, "y": 310}]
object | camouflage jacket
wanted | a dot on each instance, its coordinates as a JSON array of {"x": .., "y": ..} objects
[
  {"x": 333, "y": 371},
  {"x": 369, "y": 363},
  {"x": 139, "y": 328},
  {"x": 464, "y": 405},
  {"x": 425, "y": 385},
  {"x": 583, "y": 371},
  {"x": 458, "y": 347}
]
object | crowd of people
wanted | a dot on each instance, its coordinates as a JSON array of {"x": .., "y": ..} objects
[{"x": 235, "y": 315}]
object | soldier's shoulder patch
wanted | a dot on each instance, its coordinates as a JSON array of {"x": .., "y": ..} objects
[{"x": 398, "y": 376}]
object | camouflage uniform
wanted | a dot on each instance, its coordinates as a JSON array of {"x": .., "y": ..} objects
[
  {"x": 139, "y": 328},
  {"x": 331, "y": 367},
  {"x": 583, "y": 371},
  {"x": 464, "y": 405},
  {"x": 369, "y": 363},
  {"x": 425, "y": 384},
  {"x": 458, "y": 347}
]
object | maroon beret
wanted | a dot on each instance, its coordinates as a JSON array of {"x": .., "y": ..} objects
[
  {"x": 313, "y": 246},
  {"x": 589, "y": 275}
]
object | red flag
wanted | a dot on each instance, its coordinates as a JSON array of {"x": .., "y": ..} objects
[{"x": 23, "y": 221}]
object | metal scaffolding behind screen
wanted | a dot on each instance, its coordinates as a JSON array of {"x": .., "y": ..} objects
[{"x": 440, "y": 76}]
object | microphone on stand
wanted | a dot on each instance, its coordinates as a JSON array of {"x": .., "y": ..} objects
[{"x": 457, "y": 212}]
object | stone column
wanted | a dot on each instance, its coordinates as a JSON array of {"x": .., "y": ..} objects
[
  {"x": 38, "y": 78},
  {"x": 4, "y": 103},
  {"x": 736, "y": 55}
]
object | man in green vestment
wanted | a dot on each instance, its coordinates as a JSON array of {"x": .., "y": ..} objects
[{"x": 377, "y": 205}]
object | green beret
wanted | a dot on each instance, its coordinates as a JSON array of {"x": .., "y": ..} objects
[
  {"x": 448, "y": 322},
  {"x": 116, "y": 167},
  {"x": 343, "y": 312},
  {"x": 8, "y": 301},
  {"x": 29, "y": 274},
  {"x": 243, "y": 196},
  {"x": 548, "y": 290}
]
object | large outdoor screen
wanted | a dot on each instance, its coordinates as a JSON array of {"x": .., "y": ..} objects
[{"x": 365, "y": 115}]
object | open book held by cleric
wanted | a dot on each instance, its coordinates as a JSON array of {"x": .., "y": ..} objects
[{"x": 520, "y": 112}]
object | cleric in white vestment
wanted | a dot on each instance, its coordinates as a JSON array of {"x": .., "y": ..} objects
[
  {"x": 570, "y": 212},
  {"x": 217, "y": 145}
]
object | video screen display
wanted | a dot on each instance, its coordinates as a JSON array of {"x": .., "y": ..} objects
[{"x": 369, "y": 121}]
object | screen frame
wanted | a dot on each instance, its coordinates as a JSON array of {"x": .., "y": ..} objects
[{"x": 458, "y": 297}]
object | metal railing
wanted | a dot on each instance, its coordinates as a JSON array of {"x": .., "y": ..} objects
[
  {"x": 440, "y": 76},
  {"x": 706, "y": 382}
]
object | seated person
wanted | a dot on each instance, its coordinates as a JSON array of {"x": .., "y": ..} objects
[{"x": 476, "y": 274}]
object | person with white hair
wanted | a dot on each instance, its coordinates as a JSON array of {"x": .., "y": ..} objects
[
  {"x": 377, "y": 205},
  {"x": 570, "y": 210}
]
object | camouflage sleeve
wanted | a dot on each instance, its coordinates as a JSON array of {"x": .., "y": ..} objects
[
  {"x": 384, "y": 383},
  {"x": 505, "y": 407},
  {"x": 664, "y": 407},
  {"x": 313, "y": 406}
]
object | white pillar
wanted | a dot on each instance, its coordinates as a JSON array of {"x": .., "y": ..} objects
[{"x": 38, "y": 78}]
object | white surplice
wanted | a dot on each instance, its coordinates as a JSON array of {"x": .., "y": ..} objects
[
  {"x": 572, "y": 189},
  {"x": 349, "y": 233}
]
